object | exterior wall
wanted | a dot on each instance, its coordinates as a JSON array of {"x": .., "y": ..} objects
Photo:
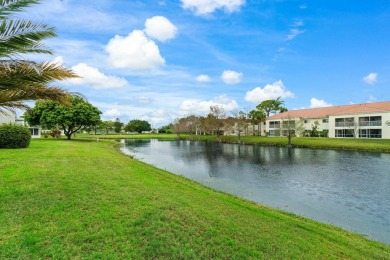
[
  {"x": 308, "y": 122},
  {"x": 384, "y": 125},
  {"x": 8, "y": 117}
]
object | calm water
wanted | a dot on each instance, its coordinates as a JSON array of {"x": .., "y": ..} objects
[{"x": 347, "y": 189}]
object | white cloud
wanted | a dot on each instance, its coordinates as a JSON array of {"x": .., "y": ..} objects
[
  {"x": 203, "y": 78},
  {"x": 135, "y": 51},
  {"x": 231, "y": 77},
  {"x": 160, "y": 28},
  {"x": 314, "y": 103},
  {"x": 294, "y": 32},
  {"x": 371, "y": 78},
  {"x": 204, "y": 7},
  {"x": 371, "y": 99},
  {"x": 58, "y": 60},
  {"x": 269, "y": 91},
  {"x": 111, "y": 114},
  {"x": 93, "y": 77},
  {"x": 196, "y": 106}
]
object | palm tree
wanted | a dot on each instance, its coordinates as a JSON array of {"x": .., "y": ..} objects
[
  {"x": 23, "y": 80},
  {"x": 256, "y": 116}
]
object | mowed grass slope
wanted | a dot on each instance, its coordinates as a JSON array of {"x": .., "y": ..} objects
[{"x": 83, "y": 199}]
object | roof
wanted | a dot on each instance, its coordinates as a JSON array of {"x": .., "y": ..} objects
[{"x": 323, "y": 112}]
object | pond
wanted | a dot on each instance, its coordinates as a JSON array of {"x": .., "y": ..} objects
[{"x": 348, "y": 189}]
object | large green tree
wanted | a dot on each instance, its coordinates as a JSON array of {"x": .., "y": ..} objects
[
  {"x": 272, "y": 106},
  {"x": 138, "y": 126},
  {"x": 69, "y": 117},
  {"x": 20, "y": 79},
  {"x": 256, "y": 117}
]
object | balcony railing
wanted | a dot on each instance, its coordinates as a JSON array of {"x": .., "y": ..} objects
[
  {"x": 370, "y": 123},
  {"x": 344, "y": 124}
]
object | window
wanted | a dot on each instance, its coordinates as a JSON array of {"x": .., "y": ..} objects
[
  {"x": 274, "y": 132},
  {"x": 307, "y": 121},
  {"x": 345, "y": 122},
  {"x": 370, "y": 133},
  {"x": 344, "y": 133},
  {"x": 325, "y": 120},
  {"x": 274, "y": 124},
  {"x": 370, "y": 121}
]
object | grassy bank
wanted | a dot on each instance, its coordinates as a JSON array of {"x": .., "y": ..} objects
[
  {"x": 84, "y": 199},
  {"x": 379, "y": 145}
]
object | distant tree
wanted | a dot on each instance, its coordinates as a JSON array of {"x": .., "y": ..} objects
[
  {"x": 214, "y": 121},
  {"x": 118, "y": 125},
  {"x": 239, "y": 122},
  {"x": 256, "y": 117},
  {"x": 291, "y": 127},
  {"x": 179, "y": 126},
  {"x": 138, "y": 126},
  {"x": 166, "y": 129},
  {"x": 192, "y": 124},
  {"x": 107, "y": 126},
  {"x": 70, "y": 118},
  {"x": 272, "y": 106},
  {"x": 314, "y": 129}
]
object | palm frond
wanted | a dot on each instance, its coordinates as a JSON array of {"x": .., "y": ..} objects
[
  {"x": 16, "y": 74},
  {"x": 21, "y": 36},
  {"x": 10, "y": 6}
]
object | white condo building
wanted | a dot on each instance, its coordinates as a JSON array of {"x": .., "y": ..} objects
[{"x": 371, "y": 120}]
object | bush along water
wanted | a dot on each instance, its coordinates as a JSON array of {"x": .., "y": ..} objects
[{"x": 14, "y": 136}]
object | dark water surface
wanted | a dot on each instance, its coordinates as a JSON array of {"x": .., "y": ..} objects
[{"x": 345, "y": 188}]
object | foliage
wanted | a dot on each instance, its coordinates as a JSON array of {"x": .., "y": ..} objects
[
  {"x": 167, "y": 129},
  {"x": 118, "y": 125},
  {"x": 14, "y": 136},
  {"x": 271, "y": 106},
  {"x": 314, "y": 127},
  {"x": 138, "y": 126},
  {"x": 109, "y": 126},
  {"x": 70, "y": 118},
  {"x": 20, "y": 79}
]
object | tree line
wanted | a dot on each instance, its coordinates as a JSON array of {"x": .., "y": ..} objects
[{"x": 217, "y": 121}]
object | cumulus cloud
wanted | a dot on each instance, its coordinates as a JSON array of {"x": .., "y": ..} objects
[
  {"x": 135, "y": 51},
  {"x": 160, "y": 28},
  {"x": 58, "y": 60},
  {"x": 314, "y": 103},
  {"x": 231, "y": 77},
  {"x": 203, "y": 78},
  {"x": 197, "y": 106},
  {"x": 371, "y": 78},
  {"x": 111, "y": 114},
  {"x": 93, "y": 77},
  {"x": 269, "y": 91},
  {"x": 204, "y": 7}
]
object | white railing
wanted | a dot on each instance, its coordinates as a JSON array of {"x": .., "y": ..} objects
[{"x": 370, "y": 123}]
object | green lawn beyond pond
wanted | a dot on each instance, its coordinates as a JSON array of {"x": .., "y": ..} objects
[{"x": 84, "y": 199}]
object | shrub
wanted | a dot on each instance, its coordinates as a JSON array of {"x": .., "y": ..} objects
[{"x": 14, "y": 136}]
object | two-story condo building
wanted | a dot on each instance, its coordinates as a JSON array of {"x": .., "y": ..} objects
[{"x": 371, "y": 120}]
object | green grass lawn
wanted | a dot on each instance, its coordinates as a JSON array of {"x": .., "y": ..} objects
[
  {"x": 379, "y": 145},
  {"x": 84, "y": 199}
]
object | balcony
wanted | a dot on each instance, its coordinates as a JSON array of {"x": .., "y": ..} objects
[{"x": 370, "y": 123}]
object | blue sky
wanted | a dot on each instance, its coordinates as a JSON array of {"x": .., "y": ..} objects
[{"x": 158, "y": 60}]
